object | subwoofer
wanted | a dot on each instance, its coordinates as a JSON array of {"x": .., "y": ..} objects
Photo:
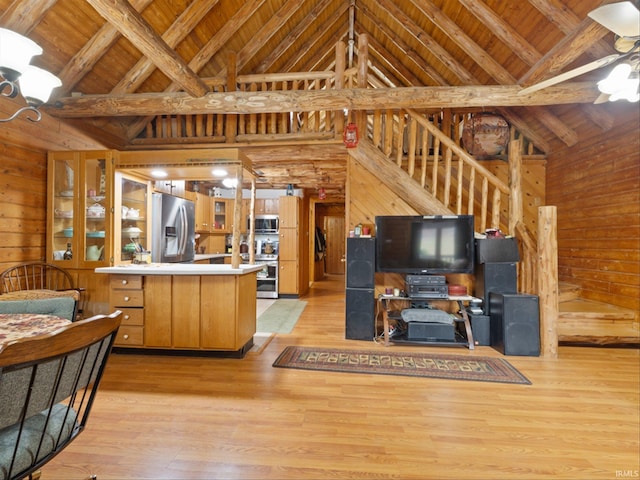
[
  {"x": 494, "y": 277},
  {"x": 361, "y": 262},
  {"x": 515, "y": 323},
  {"x": 360, "y": 314}
]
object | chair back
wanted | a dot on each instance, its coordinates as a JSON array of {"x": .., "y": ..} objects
[
  {"x": 47, "y": 386},
  {"x": 35, "y": 276}
]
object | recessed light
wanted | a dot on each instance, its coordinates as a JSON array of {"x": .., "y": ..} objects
[
  {"x": 230, "y": 182},
  {"x": 159, "y": 173},
  {"x": 219, "y": 172}
]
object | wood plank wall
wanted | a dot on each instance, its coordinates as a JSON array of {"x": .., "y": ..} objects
[
  {"x": 596, "y": 188},
  {"x": 23, "y": 180}
]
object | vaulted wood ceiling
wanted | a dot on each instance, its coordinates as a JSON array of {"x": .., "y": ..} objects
[{"x": 116, "y": 48}]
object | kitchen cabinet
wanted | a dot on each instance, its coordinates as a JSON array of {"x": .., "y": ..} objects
[
  {"x": 221, "y": 215},
  {"x": 267, "y": 206},
  {"x": 185, "y": 312},
  {"x": 293, "y": 278},
  {"x": 127, "y": 295},
  {"x": 203, "y": 213},
  {"x": 132, "y": 213},
  {"x": 79, "y": 208}
]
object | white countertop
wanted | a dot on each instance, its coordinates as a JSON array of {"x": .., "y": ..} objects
[
  {"x": 179, "y": 269},
  {"x": 207, "y": 256}
]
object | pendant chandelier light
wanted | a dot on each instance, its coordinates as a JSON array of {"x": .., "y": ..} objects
[{"x": 17, "y": 75}]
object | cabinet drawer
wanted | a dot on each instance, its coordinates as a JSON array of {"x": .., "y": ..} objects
[
  {"x": 127, "y": 298},
  {"x": 126, "y": 281},
  {"x": 132, "y": 316},
  {"x": 130, "y": 336}
]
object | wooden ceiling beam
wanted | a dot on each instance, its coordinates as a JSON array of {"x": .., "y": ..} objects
[
  {"x": 183, "y": 25},
  {"x": 214, "y": 44},
  {"x": 295, "y": 34},
  {"x": 286, "y": 101},
  {"x": 509, "y": 37},
  {"x": 142, "y": 35},
  {"x": 22, "y": 17},
  {"x": 408, "y": 52},
  {"x": 90, "y": 53},
  {"x": 565, "y": 52},
  {"x": 433, "y": 47},
  {"x": 486, "y": 61},
  {"x": 262, "y": 36}
]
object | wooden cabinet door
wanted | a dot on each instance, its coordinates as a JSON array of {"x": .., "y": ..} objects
[
  {"x": 218, "y": 312},
  {"x": 288, "y": 244},
  {"x": 203, "y": 212},
  {"x": 157, "y": 305},
  {"x": 288, "y": 213},
  {"x": 288, "y": 279},
  {"x": 185, "y": 310},
  {"x": 271, "y": 206}
]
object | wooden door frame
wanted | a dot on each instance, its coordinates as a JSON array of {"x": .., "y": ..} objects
[{"x": 312, "y": 229}]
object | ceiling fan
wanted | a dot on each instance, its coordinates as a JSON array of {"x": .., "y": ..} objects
[{"x": 623, "y": 19}]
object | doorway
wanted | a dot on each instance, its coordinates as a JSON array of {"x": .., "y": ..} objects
[{"x": 328, "y": 217}]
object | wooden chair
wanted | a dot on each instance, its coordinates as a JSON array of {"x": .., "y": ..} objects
[
  {"x": 48, "y": 384},
  {"x": 42, "y": 279}
]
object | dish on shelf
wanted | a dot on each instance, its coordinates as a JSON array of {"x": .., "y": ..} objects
[
  {"x": 131, "y": 230},
  {"x": 64, "y": 213},
  {"x": 99, "y": 234},
  {"x": 96, "y": 198},
  {"x": 66, "y": 193},
  {"x": 67, "y": 232}
]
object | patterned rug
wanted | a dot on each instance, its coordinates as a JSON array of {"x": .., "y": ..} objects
[{"x": 455, "y": 367}]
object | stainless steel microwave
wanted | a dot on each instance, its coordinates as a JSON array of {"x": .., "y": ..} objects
[{"x": 265, "y": 223}]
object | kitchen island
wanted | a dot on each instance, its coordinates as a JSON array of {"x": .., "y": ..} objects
[{"x": 184, "y": 308}]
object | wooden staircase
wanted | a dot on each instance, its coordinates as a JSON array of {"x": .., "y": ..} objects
[{"x": 582, "y": 321}]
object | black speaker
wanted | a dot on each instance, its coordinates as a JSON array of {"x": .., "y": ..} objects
[
  {"x": 360, "y": 314},
  {"x": 515, "y": 324},
  {"x": 361, "y": 262},
  {"x": 494, "y": 277},
  {"x": 481, "y": 328}
]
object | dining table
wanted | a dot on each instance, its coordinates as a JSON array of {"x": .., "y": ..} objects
[{"x": 14, "y": 326}]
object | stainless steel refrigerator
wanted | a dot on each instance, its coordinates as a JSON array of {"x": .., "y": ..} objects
[{"x": 173, "y": 224}]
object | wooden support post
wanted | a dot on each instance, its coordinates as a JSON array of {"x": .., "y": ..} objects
[
  {"x": 237, "y": 214},
  {"x": 548, "y": 280},
  {"x": 252, "y": 216},
  {"x": 339, "y": 85},
  {"x": 232, "y": 119},
  {"x": 515, "y": 184},
  {"x": 363, "y": 59}
]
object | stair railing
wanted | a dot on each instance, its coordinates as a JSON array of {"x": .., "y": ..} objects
[{"x": 443, "y": 168}]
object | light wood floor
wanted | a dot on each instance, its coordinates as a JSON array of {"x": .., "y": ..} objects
[{"x": 193, "y": 418}]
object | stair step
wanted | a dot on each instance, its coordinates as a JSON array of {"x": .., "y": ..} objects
[
  {"x": 597, "y": 322},
  {"x": 568, "y": 291}
]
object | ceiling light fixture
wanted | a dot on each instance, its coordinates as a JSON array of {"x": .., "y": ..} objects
[
  {"x": 623, "y": 83},
  {"x": 219, "y": 172},
  {"x": 230, "y": 182},
  {"x": 16, "y": 74}
]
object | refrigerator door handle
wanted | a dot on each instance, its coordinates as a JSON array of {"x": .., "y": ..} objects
[{"x": 183, "y": 230}]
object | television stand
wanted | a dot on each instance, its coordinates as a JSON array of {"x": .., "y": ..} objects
[{"x": 385, "y": 303}]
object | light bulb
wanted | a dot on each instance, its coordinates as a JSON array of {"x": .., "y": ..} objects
[{"x": 611, "y": 84}]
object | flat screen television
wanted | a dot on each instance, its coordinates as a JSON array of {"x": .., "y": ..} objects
[{"x": 425, "y": 244}]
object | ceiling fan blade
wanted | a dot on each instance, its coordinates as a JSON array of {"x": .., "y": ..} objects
[
  {"x": 622, "y": 18},
  {"x": 603, "y": 62}
]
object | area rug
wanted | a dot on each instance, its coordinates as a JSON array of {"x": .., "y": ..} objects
[
  {"x": 281, "y": 316},
  {"x": 455, "y": 367},
  {"x": 260, "y": 341}
]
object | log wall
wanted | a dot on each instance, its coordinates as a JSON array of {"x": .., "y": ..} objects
[
  {"x": 23, "y": 181},
  {"x": 596, "y": 188}
]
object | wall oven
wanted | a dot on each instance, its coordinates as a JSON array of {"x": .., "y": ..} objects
[{"x": 265, "y": 224}]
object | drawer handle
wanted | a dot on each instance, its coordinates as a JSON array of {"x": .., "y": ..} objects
[
  {"x": 126, "y": 317},
  {"x": 126, "y": 337},
  {"x": 124, "y": 282},
  {"x": 126, "y": 299}
]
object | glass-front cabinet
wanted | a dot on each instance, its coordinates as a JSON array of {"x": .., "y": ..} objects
[
  {"x": 131, "y": 218},
  {"x": 79, "y": 208}
]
